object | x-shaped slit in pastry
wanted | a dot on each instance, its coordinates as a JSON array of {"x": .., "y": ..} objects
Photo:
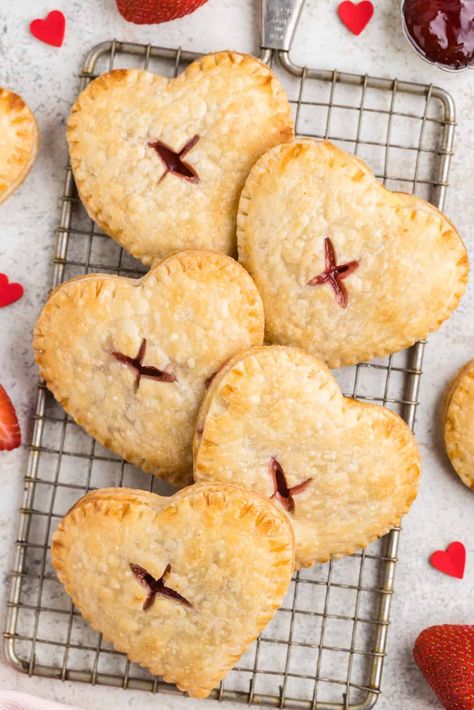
[
  {"x": 174, "y": 162},
  {"x": 153, "y": 373},
  {"x": 157, "y": 586},
  {"x": 334, "y": 273},
  {"x": 282, "y": 492}
]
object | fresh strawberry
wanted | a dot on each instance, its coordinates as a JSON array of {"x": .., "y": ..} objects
[
  {"x": 445, "y": 655},
  {"x": 10, "y": 435},
  {"x": 152, "y": 12}
]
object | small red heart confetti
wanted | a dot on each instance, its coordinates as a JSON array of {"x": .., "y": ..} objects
[
  {"x": 9, "y": 292},
  {"x": 50, "y": 30},
  {"x": 356, "y": 17},
  {"x": 451, "y": 561}
]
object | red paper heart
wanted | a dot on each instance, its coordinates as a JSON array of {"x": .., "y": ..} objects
[
  {"x": 51, "y": 30},
  {"x": 9, "y": 292},
  {"x": 451, "y": 561},
  {"x": 356, "y": 17}
]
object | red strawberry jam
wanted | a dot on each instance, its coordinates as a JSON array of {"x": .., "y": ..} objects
[{"x": 442, "y": 30}]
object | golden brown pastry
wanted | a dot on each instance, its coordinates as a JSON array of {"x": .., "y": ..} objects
[
  {"x": 19, "y": 142},
  {"x": 346, "y": 269},
  {"x": 160, "y": 164},
  {"x": 458, "y": 423},
  {"x": 344, "y": 472},
  {"x": 130, "y": 359},
  {"x": 182, "y": 585}
]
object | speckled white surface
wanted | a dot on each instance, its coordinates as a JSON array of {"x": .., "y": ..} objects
[{"x": 444, "y": 510}]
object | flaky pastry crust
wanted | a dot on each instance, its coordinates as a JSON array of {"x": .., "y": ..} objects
[
  {"x": 411, "y": 265},
  {"x": 19, "y": 142},
  {"x": 281, "y": 404},
  {"x": 186, "y": 318},
  {"x": 458, "y": 423},
  {"x": 231, "y": 557},
  {"x": 234, "y": 106}
]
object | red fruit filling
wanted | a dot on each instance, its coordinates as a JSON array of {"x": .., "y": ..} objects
[
  {"x": 157, "y": 586},
  {"x": 281, "y": 490},
  {"x": 334, "y": 274},
  {"x": 152, "y": 373},
  {"x": 173, "y": 161}
]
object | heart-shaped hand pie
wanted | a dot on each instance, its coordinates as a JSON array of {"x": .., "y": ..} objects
[
  {"x": 346, "y": 269},
  {"x": 274, "y": 420},
  {"x": 160, "y": 164},
  {"x": 20, "y": 139},
  {"x": 130, "y": 359},
  {"x": 182, "y": 585},
  {"x": 458, "y": 423}
]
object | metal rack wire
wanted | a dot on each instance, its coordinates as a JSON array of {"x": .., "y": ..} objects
[{"x": 326, "y": 645}]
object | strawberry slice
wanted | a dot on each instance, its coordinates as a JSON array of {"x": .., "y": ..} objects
[
  {"x": 445, "y": 656},
  {"x": 152, "y": 12},
  {"x": 10, "y": 434}
]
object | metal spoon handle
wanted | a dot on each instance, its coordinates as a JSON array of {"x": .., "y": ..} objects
[{"x": 279, "y": 19}]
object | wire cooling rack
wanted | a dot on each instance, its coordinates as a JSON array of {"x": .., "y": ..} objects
[{"x": 325, "y": 647}]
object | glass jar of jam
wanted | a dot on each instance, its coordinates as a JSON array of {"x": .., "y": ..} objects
[{"x": 441, "y": 31}]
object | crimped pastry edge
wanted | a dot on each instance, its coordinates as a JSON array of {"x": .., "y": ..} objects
[
  {"x": 116, "y": 500},
  {"x": 264, "y": 166},
  {"x": 205, "y": 63},
  {"x": 301, "y": 561},
  {"x": 176, "y": 476},
  {"x": 21, "y": 177},
  {"x": 450, "y": 436}
]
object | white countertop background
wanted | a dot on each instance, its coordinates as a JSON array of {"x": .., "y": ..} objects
[{"x": 46, "y": 78}]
